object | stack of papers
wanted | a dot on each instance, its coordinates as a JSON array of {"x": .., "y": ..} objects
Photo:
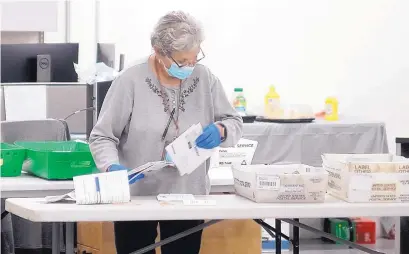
[
  {"x": 103, "y": 188},
  {"x": 184, "y": 152},
  {"x": 185, "y": 199},
  {"x": 149, "y": 167}
]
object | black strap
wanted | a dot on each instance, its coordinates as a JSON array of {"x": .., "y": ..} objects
[{"x": 4, "y": 214}]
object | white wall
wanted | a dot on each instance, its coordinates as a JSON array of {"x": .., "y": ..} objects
[
  {"x": 83, "y": 30},
  {"x": 29, "y": 15},
  {"x": 59, "y": 35},
  {"x": 355, "y": 50}
]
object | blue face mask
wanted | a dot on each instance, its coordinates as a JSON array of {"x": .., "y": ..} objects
[{"x": 180, "y": 72}]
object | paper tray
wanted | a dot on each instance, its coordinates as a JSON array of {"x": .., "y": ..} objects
[
  {"x": 294, "y": 183},
  {"x": 366, "y": 163},
  {"x": 367, "y": 177},
  {"x": 289, "y": 120}
]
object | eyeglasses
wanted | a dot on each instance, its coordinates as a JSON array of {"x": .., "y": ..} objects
[{"x": 198, "y": 59}]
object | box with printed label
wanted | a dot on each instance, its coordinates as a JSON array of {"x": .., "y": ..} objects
[
  {"x": 294, "y": 183},
  {"x": 365, "y": 230},
  {"x": 241, "y": 154},
  {"x": 367, "y": 177}
]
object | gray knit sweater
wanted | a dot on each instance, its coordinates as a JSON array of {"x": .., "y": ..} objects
[{"x": 134, "y": 116}]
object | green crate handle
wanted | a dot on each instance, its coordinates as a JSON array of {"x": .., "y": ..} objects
[{"x": 13, "y": 158}]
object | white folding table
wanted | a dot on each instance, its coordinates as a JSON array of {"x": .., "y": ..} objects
[
  {"x": 29, "y": 186},
  {"x": 227, "y": 207}
]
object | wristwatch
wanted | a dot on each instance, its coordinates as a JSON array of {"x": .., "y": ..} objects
[{"x": 224, "y": 132}]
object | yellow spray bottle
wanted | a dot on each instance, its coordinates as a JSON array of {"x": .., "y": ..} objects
[
  {"x": 271, "y": 103},
  {"x": 331, "y": 109}
]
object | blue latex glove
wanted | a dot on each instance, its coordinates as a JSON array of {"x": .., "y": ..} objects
[
  {"x": 210, "y": 137},
  {"x": 167, "y": 158},
  {"x": 117, "y": 167}
]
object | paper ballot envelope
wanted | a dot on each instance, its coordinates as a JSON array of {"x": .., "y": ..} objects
[
  {"x": 108, "y": 187},
  {"x": 102, "y": 188},
  {"x": 149, "y": 167},
  {"x": 184, "y": 152}
]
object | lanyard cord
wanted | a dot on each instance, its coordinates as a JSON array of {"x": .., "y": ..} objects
[{"x": 175, "y": 121}]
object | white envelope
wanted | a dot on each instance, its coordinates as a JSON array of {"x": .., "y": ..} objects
[{"x": 184, "y": 152}]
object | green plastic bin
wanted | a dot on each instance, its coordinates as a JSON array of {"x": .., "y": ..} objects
[
  {"x": 58, "y": 160},
  {"x": 13, "y": 158}
]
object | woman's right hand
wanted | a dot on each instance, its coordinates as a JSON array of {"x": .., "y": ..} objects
[
  {"x": 117, "y": 167},
  {"x": 168, "y": 158}
]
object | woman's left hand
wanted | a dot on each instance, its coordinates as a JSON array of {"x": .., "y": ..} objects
[{"x": 210, "y": 138}]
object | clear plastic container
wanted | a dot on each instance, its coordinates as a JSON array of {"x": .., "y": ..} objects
[
  {"x": 297, "y": 111},
  {"x": 239, "y": 101}
]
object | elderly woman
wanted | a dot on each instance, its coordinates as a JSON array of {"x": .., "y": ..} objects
[{"x": 169, "y": 84}]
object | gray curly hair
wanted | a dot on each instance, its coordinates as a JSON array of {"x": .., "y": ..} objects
[{"x": 177, "y": 31}]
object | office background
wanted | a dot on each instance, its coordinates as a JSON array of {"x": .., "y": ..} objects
[{"x": 354, "y": 50}]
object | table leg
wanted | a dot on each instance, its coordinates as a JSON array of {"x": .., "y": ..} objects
[
  {"x": 402, "y": 234},
  {"x": 270, "y": 228},
  {"x": 4, "y": 214},
  {"x": 278, "y": 236},
  {"x": 296, "y": 238},
  {"x": 56, "y": 238},
  {"x": 89, "y": 114},
  {"x": 397, "y": 235},
  {"x": 3, "y": 105},
  {"x": 69, "y": 238}
]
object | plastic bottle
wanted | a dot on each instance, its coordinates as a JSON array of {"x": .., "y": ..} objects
[
  {"x": 331, "y": 109},
  {"x": 239, "y": 101},
  {"x": 272, "y": 103}
]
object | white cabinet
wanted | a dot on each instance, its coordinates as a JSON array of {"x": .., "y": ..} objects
[{"x": 41, "y": 16}]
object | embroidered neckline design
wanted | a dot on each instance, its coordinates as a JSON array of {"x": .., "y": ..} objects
[
  {"x": 187, "y": 92},
  {"x": 165, "y": 98},
  {"x": 158, "y": 92}
]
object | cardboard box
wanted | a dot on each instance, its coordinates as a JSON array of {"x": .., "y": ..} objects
[
  {"x": 365, "y": 230},
  {"x": 241, "y": 154},
  {"x": 367, "y": 163},
  {"x": 342, "y": 229},
  {"x": 231, "y": 237},
  {"x": 388, "y": 227},
  {"x": 293, "y": 183},
  {"x": 367, "y": 177}
]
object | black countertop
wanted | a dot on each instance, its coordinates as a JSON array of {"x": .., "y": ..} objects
[{"x": 402, "y": 140}]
